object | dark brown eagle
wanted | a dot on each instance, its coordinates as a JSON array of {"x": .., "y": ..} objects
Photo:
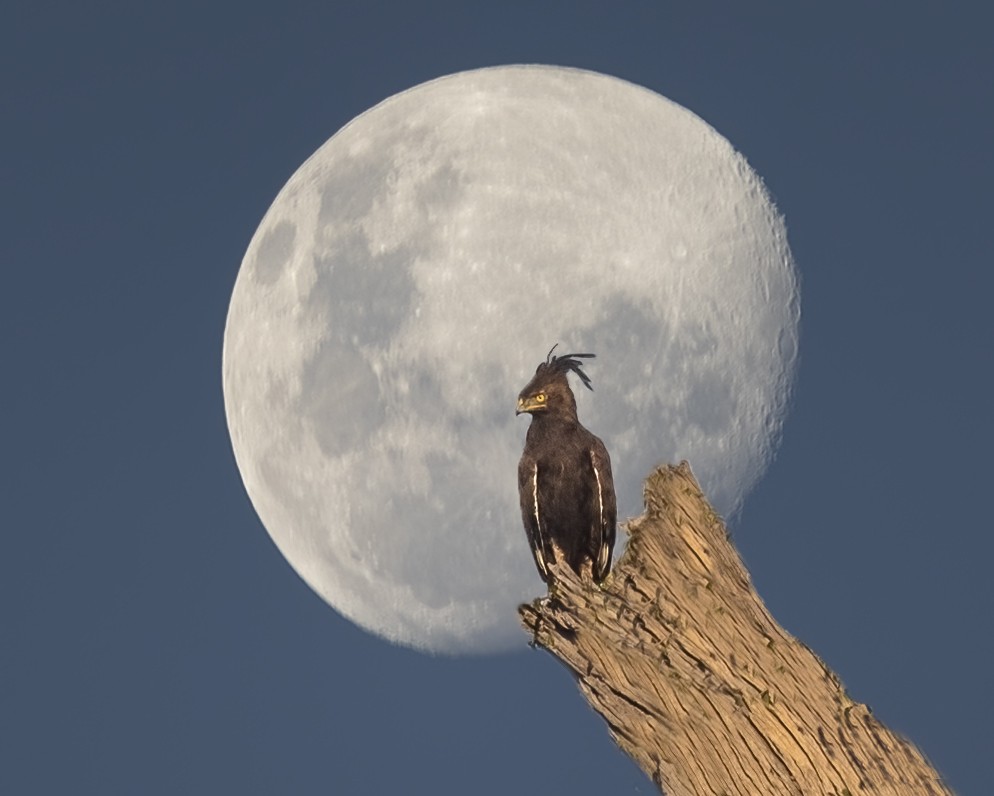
[{"x": 564, "y": 476}]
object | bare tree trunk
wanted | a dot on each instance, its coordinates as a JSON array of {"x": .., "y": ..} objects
[{"x": 698, "y": 683}]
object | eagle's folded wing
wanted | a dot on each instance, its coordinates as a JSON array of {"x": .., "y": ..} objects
[{"x": 605, "y": 521}]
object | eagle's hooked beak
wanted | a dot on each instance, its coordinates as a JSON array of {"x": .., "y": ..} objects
[{"x": 529, "y": 405}]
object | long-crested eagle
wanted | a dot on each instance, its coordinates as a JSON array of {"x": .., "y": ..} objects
[{"x": 564, "y": 477}]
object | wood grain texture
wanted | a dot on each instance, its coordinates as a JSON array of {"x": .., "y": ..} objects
[{"x": 695, "y": 679}]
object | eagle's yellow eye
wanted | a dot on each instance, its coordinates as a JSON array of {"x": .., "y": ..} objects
[{"x": 540, "y": 398}]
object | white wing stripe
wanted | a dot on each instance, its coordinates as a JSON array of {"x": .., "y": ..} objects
[
  {"x": 539, "y": 545},
  {"x": 538, "y": 522},
  {"x": 600, "y": 490}
]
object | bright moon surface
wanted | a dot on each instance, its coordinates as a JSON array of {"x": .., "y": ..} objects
[{"x": 414, "y": 271}]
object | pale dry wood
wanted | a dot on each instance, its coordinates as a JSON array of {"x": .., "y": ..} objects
[{"x": 698, "y": 683}]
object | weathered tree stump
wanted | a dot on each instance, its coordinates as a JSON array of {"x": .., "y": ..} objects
[{"x": 698, "y": 683}]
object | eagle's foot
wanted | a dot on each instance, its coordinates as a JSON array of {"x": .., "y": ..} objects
[{"x": 541, "y": 604}]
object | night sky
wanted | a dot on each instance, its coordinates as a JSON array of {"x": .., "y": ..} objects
[{"x": 156, "y": 642}]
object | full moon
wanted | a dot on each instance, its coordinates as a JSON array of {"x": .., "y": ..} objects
[{"x": 414, "y": 271}]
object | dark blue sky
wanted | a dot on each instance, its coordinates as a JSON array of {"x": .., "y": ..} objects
[{"x": 154, "y": 640}]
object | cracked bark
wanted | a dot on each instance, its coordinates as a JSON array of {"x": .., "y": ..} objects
[{"x": 696, "y": 680}]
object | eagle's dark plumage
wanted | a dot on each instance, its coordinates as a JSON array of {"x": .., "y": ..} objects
[{"x": 564, "y": 476}]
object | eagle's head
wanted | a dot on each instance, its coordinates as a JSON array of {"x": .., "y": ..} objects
[{"x": 549, "y": 392}]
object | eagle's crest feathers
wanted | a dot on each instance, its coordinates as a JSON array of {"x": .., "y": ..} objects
[{"x": 555, "y": 365}]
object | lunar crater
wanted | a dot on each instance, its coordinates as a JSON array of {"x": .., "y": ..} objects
[{"x": 274, "y": 252}]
